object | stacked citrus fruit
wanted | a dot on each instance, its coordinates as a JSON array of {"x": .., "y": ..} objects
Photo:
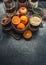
[{"x": 20, "y": 22}]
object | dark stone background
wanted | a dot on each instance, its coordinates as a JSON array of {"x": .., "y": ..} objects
[{"x": 22, "y": 52}]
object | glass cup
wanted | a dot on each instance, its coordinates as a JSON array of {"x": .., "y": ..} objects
[{"x": 33, "y": 3}]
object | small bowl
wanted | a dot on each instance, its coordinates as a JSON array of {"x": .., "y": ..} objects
[
  {"x": 26, "y": 33},
  {"x": 37, "y": 11},
  {"x": 6, "y": 24},
  {"x": 35, "y": 27}
]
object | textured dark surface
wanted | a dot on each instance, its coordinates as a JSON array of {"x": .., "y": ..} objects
[{"x": 22, "y": 52}]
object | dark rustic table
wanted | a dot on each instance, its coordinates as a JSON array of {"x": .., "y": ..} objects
[{"x": 22, "y": 52}]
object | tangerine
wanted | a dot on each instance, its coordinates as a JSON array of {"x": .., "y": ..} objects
[
  {"x": 15, "y": 20},
  {"x": 24, "y": 19},
  {"x": 21, "y": 26}
]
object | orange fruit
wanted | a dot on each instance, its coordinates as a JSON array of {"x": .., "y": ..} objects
[
  {"x": 21, "y": 26},
  {"x": 27, "y": 34},
  {"x": 24, "y": 19},
  {"x": 15, "y": 20}
]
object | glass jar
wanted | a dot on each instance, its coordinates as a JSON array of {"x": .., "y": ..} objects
[
  {"x": 22, "y": 3},
  {"x": 8, "y": 1},
  {"x": 33, "y": 3},
  {"x": 10, "y": 8},
  {"x": 11, "y": 11}
]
